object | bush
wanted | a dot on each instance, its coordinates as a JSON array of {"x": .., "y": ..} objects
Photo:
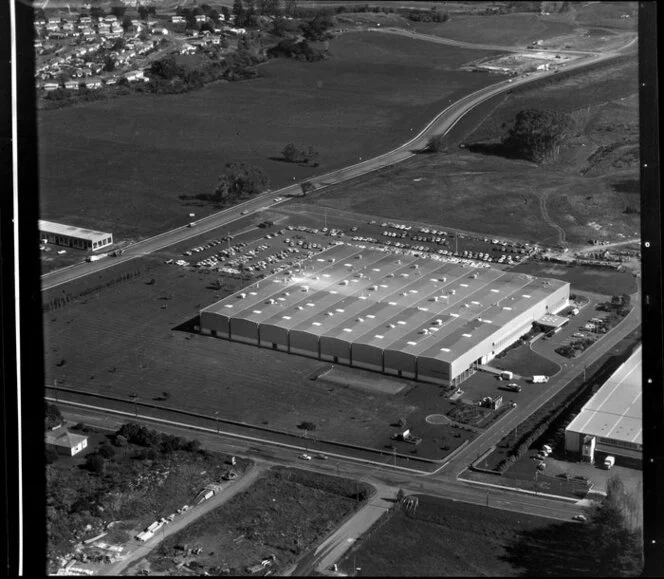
[
  {"x": 106, "y": 451},
  {"x": 51, "y": 455},
  {"x": 120, "y": 440}
]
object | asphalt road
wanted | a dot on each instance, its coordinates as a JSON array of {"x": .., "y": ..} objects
[{"x": 440, "y": 125}]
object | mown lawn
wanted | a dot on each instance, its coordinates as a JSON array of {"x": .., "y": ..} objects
[{"x": 447, "y": 538}]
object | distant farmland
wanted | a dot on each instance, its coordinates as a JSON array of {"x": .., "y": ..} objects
[{"x": 121, "y": 165}]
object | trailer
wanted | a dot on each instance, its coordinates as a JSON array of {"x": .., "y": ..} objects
[
  {"x": 507, "y": 375},
  {"x": 540, "y": 379}
]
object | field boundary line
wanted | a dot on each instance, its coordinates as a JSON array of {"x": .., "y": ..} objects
[
  {"x": 518, "y": 490},
  {"x": 231, "y": 434}
]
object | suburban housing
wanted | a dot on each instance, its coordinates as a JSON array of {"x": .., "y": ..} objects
[{"x": 424, "y": 319}]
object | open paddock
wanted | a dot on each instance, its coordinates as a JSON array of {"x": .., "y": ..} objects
[
  {"x": 135, "y": 338},
  {"x": 123, "y": 165},
  {"x": 583, "y": 278},
  {"x": 448, "y": 538}
]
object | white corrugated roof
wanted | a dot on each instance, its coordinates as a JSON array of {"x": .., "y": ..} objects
[
  {"x": 71, "y": 231},
  {"x": 615, "y": 410}
]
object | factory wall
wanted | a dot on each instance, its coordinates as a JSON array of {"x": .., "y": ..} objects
[
  {"x": 215, "y": 323},
  {"x": 369, "y": 357},
  {"x": 400, "y": 363},
  {"x": 334, "y": 350},
  {"x": 244, "y": 331},
  {"x": 303, "y": 343},
  {"x": 433, "y": 370},
  {"x": 271, "y": 335}
]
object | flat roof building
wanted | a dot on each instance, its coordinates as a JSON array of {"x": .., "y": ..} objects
[
  {"x": 610, "y": 422},
  {"x": 421, "y": 318},
  {"x": 71, "y": 236}
]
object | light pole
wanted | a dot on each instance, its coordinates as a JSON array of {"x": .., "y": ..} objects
[{"x": 216, "y": 415}]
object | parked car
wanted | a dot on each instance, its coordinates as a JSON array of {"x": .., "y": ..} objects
[
  {"x": 580, "y": 518},
  {"x": 321, "y": 456}
]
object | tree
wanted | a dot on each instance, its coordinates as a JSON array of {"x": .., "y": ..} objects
[
  {"x": 240, "y": 179},
  {"x": 126, "y": 23},
  {"x": 53, "y": 415},
  {"x": 95, "y": 463},
  {"x": 106, "y": 451},
  {"x": 436, "y": 144},
  {"x": 226, "y": 12},
  {"x": 238, "y": 12},
  {"x": 109, "y": 64},
  {"x": 308, "y": 426},
  {"x": 166, "y": 68},
  {"x": 537, "y": 135},
  {"x": 51, "y": 455},
  {"x": 143, "y": 12},
  {"x": 214, "y": 16},
  {"x": 97, "y": 12},
  {"x": 118, "y": 10},
  {"x": 307, "y": 187},
  {"x": 290, "y": 152},
  {"x": 120, "y": 440}
]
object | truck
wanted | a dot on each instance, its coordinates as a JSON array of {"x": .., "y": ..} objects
[
  {"x": 513, "y": 387},
  {"x": 507, "y": 375},
  {"x": 92, "y": 258},
  {"x": 609, "y": 461},
  {"x": 540, "y": 379}
]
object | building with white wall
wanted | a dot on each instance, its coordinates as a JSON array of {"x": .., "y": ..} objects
[
  {"x": 610, "y": 422},
  {"x": 71, "y": 236}
]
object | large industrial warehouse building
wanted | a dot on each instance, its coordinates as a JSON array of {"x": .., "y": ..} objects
[
  {"x": 413, "y": 317},
  {"x": 610, "y": 422}
]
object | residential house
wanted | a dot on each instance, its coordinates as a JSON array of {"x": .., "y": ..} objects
[
  {"x": 85, "y": 19},
  {"x": 201, "y": 18},
  {"x": 135, "y": 75},
  {"x": 176, "y": 19},
  {"x": 54, "y": 21},
  {"x": 49, "y": 86},
  {"x": 40, "y": 22},
  {"x": 71, "y": 85},
  {"x": 187, "y": 49},
  {"x": 65, "y": 442},
  {"x": 86, "y": 71},
  {"x": 110, "y": 18},
  {"x": 93, "y": 84},
  {"x": 111, "y": 80}
]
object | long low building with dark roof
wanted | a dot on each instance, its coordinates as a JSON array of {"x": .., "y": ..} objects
[{"x": 415, "y": 317}]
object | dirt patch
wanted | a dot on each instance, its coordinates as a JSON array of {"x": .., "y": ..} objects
[{"x": 277, "y": 519}]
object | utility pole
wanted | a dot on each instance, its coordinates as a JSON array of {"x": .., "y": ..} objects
[
  {"x": 216, "y": 415},
  {"x": 55, "y": 387}
]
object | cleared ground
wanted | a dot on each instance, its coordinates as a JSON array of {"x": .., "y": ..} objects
[
  {"x": 593, "y": 183},
  {"x": 446, "y": 538},
  {"x": 591, "y": 279},
  {"x": 281, "y": 514},
  {"x": 135, "y": 337},
  {"x": 122, "y": 165}
]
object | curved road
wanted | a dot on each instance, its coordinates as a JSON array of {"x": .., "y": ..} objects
[{"x": 440, "y": 125}]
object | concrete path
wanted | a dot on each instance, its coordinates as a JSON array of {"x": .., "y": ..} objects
[{"x": 333, "y": 548}]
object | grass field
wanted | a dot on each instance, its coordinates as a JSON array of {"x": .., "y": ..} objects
[
  {"x": 505, "y": 197},
  {"x": 124, "y": 339},
  {"x": 504, "y": 29},
  {"x": 121, "y": 165},
  {"x": 590, "y": 279},
  {"x": 283, "y": 513},
  {"x": 524, "y": 362},
  {"x": 447, "y": 538}
]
